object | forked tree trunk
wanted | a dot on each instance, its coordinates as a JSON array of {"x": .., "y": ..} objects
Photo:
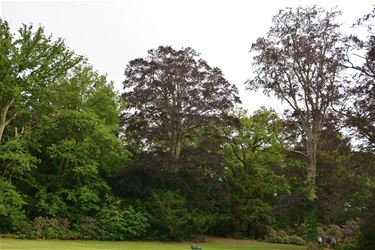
[
  {"x": 177, "y": 151},
  {"x": 175, "y": 146}
]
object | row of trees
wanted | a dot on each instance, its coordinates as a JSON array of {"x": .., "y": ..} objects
[
  {"x": 58, "y": 140},
  {"x": 173, "y": 158}
]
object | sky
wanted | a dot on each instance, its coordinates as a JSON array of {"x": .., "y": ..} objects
[{"x": 111, "y": 33}]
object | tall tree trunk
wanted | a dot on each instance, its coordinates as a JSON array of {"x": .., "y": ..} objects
[
  {"x": 311, "y": 149},
  {"x": 312, "y": 137}
]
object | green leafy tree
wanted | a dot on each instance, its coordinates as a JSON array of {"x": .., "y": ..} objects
[
  {"x": 252, "y": 154},
  {"x": 65, "y": 117},
  {"x": 12, "y": 214},
  {"x": 345, "y": 178},
  {"x": 28, "y": 62},
  {"x": 367, "y": 239},
  {"x": 15, "y": 158},
  {"x": 170, "y": 219},
  {"x": 78, "y": 143}
]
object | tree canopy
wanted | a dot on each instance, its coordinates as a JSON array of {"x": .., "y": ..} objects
[
  {"x": 360, "y": 113},
  {"x": 28, "y": 63},
  {"x": 170, "y": 94},
  {"x": 299, "y": 61}
]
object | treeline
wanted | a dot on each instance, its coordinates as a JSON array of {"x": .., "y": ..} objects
[{"x": 173, "y": 157}]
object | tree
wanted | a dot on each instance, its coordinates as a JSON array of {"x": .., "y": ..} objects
[
  {"x": 361, "y": 114},
  {"x": 76, "y": 144},
  {"x": 299, "y": 61},
  {"x": 252, "y": 152},
  {"x": 11, "y": 207},
  {"x": 345, "y": 177},
  {"x": 367, "y": 239},
  {"x": 27, "y": 62},
  {"x": 170, "y": 94}
]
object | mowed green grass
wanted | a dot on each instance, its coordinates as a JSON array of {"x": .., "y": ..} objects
[{"x": 212, "y": 244}]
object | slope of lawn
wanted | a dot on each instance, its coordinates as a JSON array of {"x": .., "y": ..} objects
[{"x": 212, "y": 244}]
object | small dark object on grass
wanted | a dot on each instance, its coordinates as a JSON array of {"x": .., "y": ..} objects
[{"x": 196, "y": 247}]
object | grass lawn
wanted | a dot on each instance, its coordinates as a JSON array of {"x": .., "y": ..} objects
[{"x": 212, "y": 244}]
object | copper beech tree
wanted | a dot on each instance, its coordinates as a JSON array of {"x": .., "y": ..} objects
[
  {"x": 299, "y": 61},
  {"x": 361, "y": 113},
  {"x": 170, "y": 94}
]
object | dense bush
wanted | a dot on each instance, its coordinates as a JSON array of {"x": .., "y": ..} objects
[
  {"x": 87, "y": 228},
  {"x": 280, "y": 236},
  {"x": 12, "y": 216},
  {"x": 331, "y": 230},
  {"x": 171, "y": 220},
  {"x": 367, "y": 237},
  {"x": 53, "y": 228},
  {"x": 136, "y": 223},
  {"x": 351, "y": 229},
  {"x": 111, "y": 223},
  {"x": 296, "y": 240},
  {"x": 114, "y": 223}
]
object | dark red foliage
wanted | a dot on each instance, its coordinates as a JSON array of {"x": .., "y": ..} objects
[{"x": 170, "y": 94}]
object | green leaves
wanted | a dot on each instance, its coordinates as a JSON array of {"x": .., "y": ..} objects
[
  {"x": 29, "y": 62},
  {"x": 67, "y": 117},
  {"x": 171, "y": 219},
  {"x": 252, "y": 153},
  {"x": 115, "y": 223},
  {"x": 15, "y": 157},
  {"x": 11, "y": 207}
]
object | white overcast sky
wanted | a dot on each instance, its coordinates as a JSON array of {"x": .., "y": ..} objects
[{"x": 110, "y": 33}]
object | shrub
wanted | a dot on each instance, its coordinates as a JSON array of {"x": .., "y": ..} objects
[
  {"x": 12, "y": 216},
  {"x": 87, "y": 228},
  {"x": 334, "y": 230},
  {"x": 169, "y": 218},
  {"x": 351, "y": 230},
  {"x": 110, "y": 224},
  {"x": 136, "y": 223},
  {"x": 367, "y": 237},
  {"x": 114, "y": 224},
  {"x": 282, "y": 233},
  {"x": 301, "y": 231},
  {"x": 280, "y": 236},
  {"x": 199, "y": 224},
  {"x": 279, "y": 240},
  {"x": 53, "y": 228},
  {"x": 296, "y": 240},
  {"x": 50, "y": 204},
  {"x": 321, "y": 231},
  {"x": 331, "y": 230}
]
